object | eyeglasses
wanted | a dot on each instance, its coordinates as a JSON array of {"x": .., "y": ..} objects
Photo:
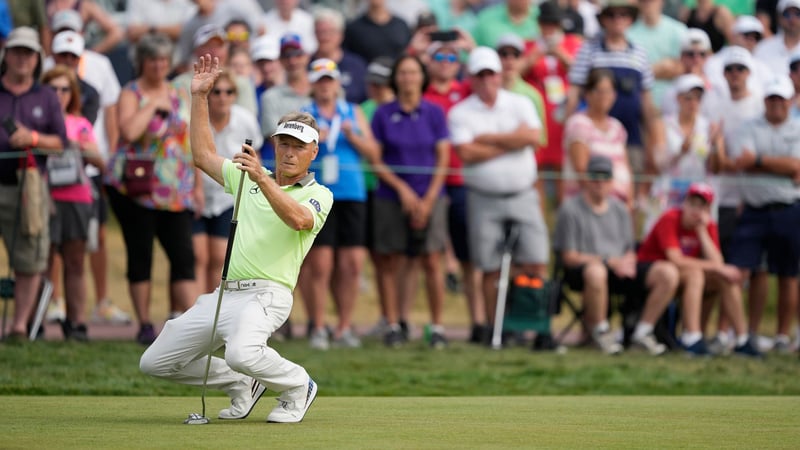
[
  {"x": 695, "y": 54},
  {"x": 61, "y": 89},
  {"x": 753, "y": 35},
  {"x": 788, "y": 13},
  {"x": 226, "y": 91},
  {"x": 445, "y": 57},
  {"x": 506, "y": 53},
  {"x": 735, "y": 68}
]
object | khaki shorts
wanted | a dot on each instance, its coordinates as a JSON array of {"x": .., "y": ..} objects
[{"x": 28, "y": 253}]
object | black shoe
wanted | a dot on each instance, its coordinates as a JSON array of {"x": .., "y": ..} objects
[
  {"x": 478, "y": 334},
  {"x": 543, "y": 342},
  {"x": 393, "y": 338},
  {"x": 404, "y": 330},
  {"x": 74, "y": 332},
  {"x": 146, "y": 335},
  {"x": 438, "y": 341}
]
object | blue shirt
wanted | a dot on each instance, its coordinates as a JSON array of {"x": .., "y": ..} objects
[
  {"x": 408, "y": 141},
  {"x": 354, "y": 72}
]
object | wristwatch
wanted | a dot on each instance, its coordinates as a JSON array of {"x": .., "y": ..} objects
[{"x": 758, "y": 161}]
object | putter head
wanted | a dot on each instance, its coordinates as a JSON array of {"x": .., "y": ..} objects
[{"x": 196, "y": 419}]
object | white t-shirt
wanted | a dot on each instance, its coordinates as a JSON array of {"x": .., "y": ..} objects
[
  {"x": 513, "y": 171},
  {"x": 301, "y": 23},
  {"x": 773, "y": 52},
  {"x": 715, "y": 71}
]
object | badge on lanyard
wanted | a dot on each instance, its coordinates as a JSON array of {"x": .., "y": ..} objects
[{"x": 330, "y": 162}]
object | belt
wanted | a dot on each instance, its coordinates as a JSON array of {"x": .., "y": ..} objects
[{"x": 242, "y": 285}]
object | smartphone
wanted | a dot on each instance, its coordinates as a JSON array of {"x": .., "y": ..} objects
[
  {"x": 443, "y": 35},
  {"x": 9, "y": 125}
]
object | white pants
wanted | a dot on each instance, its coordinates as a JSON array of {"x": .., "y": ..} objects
[{"x": 247, "y": 319}]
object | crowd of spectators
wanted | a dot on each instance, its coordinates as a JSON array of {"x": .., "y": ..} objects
[{"x": 665, "y": 134}]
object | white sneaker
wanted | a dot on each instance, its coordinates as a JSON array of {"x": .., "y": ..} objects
[
  {"x": 56, "y": 310},
  {"x": 348, "y": 339},
  {"x": 380, "y": 328},
  {"x": 294, "y": 403},
  {"x": 319, "y": 340},
  {"x": 242, "y": 404},
  {"x": 107, "y": 312},
  {"x": 607, "y": 342},
  {"x": 648, "y": 342}
]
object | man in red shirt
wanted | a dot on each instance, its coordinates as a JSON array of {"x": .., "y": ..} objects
[{"x": 688, "y": 238}]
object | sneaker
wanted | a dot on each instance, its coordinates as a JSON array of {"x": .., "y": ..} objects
[
  {"x": 607, "y": 342},
  {"x": 379, "y": 329},
  {"x": 394, "y": 338},
  {"x": 107, "y": 312},
  {"x": 294, "y": 403},
  {"x": 782, "y": 345},
  {"x": 74, "y": 332},
  {"x": 748, "y": 349},
  {"x": 146, "y": 334},
  {"x": 649, "y": 343},
  {"x": 348, "y": 339},
  {"x": 438, "y": 341},
  {"x": 405, "y": 330},
  {"x": 698, "y": 349},
  {"x": 56, "y": 311},
  {"x": 719, "y": 346},
  {"x": 319, "y": 340},
  {"x": 243, "y": 404}
]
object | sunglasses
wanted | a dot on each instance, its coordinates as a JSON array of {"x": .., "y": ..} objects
[
  {"x": 614, "y": 14},
  {"x": 61, "y": 89},
  {"x": 239, "y": 36},
  {"x": 226, "y": 91},
  {"x": 695, "y": 54},
  {"x": 790, "y": 12},
  {"x": 753, "y": 35},
  {"x": 509, "y": 53},
  {"x": 735, "y": 68},
  {"x": 445, "y": 57}
]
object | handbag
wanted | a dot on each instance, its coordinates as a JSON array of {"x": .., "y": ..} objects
[
  {"x": 138, "y": 175},
  {"x": 65, "y": 168}
]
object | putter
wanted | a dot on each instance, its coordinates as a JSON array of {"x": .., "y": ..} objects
[{"x": 201, "y": 419}]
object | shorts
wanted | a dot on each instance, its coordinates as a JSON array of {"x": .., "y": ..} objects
[
  {"x": 573, "y": 276},
  {"x": 346, "y": 226},
  {"x": 727, "y": 216},
  {"x": 774, "y": 229},
  {"x": 638, "y": 162},
  {"x": 29, "y": 252},
  {"x": 217, "y": 226},
  {"x": 70, "y": 222},
  {"x": 100, "y": 200},
  {"x": 394, "y": 235},
  {"x": 457, "y": 222},
  {"x": 487, "y": 215}
]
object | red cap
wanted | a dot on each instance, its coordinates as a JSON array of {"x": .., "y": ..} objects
[{"x": 702, "y": 190}]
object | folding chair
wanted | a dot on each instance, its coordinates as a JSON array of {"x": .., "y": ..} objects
[{"x": 561, "y": 297}]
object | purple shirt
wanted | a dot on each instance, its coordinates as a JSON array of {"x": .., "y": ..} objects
[
  {"x": 409, "y": 141},
  {"x": 37, "y": 109}
]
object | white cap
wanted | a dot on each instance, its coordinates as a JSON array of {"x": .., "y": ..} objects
[
  {"x": 695, "y": 37},
  {"x": 69, "y": 42},
  {"x": 297, "y": 130},
  {"x": 510, "y": 40},
  {"x": 685, "y": 83},
  {"x": 208, "y": 32},
  {"x": 67, "y": 19},
  {"x": 748, "y": 24},
  {"x": 265, "y": 47},
  {"x": 785, "y": 4},
  {"x": 323, "y": 67},
  {"x": 483, "y": 58},
  {"x": 737, "y": 55},
  {"x": 780, "y": 85}
]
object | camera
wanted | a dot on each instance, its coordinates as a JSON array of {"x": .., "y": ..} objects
[{"x": 444, "y": 35}]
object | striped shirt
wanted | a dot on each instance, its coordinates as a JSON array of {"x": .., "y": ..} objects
[{"x": 632, "y": 75}]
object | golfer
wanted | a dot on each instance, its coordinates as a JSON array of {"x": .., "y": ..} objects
[{"x": 280, "y": 214}]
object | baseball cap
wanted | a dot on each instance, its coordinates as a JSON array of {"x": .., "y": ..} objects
[
  {"x": 265, "y": 48},
  {"x": 321, "y": 68},
  {"x": 702, "y": 190},
  {"x": 735, "y": 55},
  {"x": 599, "y": 167},
  {"x": 483, "y": 58},
  {"x": 695, "y": 37},
  {"x": 24, "y": 37},
  {"x": 685, "y": 83},
  {"x": 67, "y": 19},
  {"x": 69, "y": 42},
  {"x": 786, "y": 4},
  {"x": 437, "y": 46},
  {"x": 297, "y": 130},
  {"x": 748, "y": 24},
  {"x": 780, "y": 85},
  {"x": 510, "y": 40},
  {"x": 291, "y": 44},
  {"x": 380, "y": 70},
  {"x": 206, "y": 33},
  {"x": 550, "y": 12},
  {"x": 631, "y": 5}
]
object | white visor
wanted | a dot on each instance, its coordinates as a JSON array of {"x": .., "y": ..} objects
[{"x": 298, "y": 130}]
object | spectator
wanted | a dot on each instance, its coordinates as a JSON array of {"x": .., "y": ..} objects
[
  {"x": 288, "y": 18},
  {"x": 747, "y": 33},
  {"x": 767, "y": 151},
  {"x": 68, "y": 47},
  {"x": 510, "y": 16},
  {"x": 510, "y": 47},
  {"x": 329, "y": 31},
  {"x": 774, "y": 51},
  {"x": 37, "y": 123},
  {"x": 88, "y": 12},
  {"x": 336, "y": 259},
  {"x": 376, "y": 33},
  {"x": 69, "y": 223},
  {"x": 594, "y": 132},
  {"x": 241, "y": 65},
  {"x": 410, "y": 212},
  {"x": 158, "y": 16},
  {"x": 238, "y": 34},
  {"x": 265, "y": 53},
  {"x": 495, "y": 133},
  {"x": 152, "y": 129},
  {"x": 695, "y": 50},
  {"x": 661, "y": 37},
  {"x": 715, "y": 20},
  {"x": 687, "y": 238}
]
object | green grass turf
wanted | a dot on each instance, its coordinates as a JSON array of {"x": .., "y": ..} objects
[{"x": 409, "y": 422}]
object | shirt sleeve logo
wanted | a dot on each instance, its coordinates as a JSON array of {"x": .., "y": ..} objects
[{"x": 316, "y": 204}]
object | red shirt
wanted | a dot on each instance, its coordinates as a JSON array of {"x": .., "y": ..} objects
[
  {"x": 668, "y": 233},
  {"x": 455, "y": 93}
]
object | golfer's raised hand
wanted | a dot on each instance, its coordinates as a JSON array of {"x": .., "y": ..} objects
[{"x": 206, "y": 72}]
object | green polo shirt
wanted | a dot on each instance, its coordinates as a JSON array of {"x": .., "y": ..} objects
[
  {"x": 521, "y": 87},
  {"x": 494, "y": 22},
  {"x": 264, "y": 246}
]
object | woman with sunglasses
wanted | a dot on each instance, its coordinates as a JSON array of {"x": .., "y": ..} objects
[
  {"x": 231, "y": 124},
  {"x": 69, "y": 223}
]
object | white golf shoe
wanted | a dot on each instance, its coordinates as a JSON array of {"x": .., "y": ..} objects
[
  {"x": 294, "y": 403},
  {"x": 242, "y": 404}
]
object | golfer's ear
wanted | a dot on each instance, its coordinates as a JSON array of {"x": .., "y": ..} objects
[{"x": 316, "y": 150}]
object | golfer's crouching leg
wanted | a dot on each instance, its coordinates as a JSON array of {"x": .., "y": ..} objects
[{"x": 154, "y": 361}]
